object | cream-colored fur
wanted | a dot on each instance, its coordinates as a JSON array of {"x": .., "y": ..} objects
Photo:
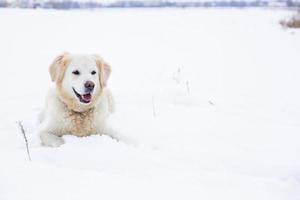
[{"x": 64, "y": 114}]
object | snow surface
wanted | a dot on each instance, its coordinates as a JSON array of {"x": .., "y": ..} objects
[{"x": 208, "y": 105}]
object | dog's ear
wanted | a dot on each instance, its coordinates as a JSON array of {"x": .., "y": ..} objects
[
  {"x": 105, "y": 70},
  {"x": 58, "y": 67}
]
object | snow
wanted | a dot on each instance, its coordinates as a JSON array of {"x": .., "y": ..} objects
[{"x": 207, "y": 103}]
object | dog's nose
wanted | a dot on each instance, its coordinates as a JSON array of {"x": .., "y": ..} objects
[{"x": 89, "y": 85}]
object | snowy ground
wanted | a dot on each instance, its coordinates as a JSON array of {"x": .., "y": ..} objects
[{"x": 208, "y": 100}]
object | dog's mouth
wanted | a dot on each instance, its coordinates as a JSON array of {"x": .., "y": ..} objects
[{"x": 85, "y": 98}]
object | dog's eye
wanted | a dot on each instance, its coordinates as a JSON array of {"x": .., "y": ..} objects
[
  {"x": 76, "y": 72},
  {"x": 93, "y": 72}
]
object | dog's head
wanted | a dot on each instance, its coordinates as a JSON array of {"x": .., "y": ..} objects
[{"x": 80, "y": 79}]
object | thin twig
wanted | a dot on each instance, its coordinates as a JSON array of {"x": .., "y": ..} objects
[
  {"x": 188, "y": 87},
  {"x": 153, "y": 106},
  {"x": 25, "y": 138}
]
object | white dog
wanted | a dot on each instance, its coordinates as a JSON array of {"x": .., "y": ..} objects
[{"x": 80, "y": 102}]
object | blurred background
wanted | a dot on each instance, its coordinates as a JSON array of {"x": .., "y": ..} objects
[{"x": 85, "y": 4}]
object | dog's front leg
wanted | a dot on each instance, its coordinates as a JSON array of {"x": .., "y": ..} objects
[{"x": 51, "y": 140}]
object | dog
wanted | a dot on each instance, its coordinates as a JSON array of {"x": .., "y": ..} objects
[{"x": 80, "y": 102}]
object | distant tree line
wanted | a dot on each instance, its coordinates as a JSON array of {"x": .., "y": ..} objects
[{"x": 70, "y": 4}]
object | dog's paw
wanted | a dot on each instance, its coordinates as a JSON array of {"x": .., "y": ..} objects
[{"x": 51, "y": 140}]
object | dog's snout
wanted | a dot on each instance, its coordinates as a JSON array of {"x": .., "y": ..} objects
[{"x": 89, "y": 85}]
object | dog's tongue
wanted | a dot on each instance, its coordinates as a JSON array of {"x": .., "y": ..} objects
[{"x": 87, "y": 97}]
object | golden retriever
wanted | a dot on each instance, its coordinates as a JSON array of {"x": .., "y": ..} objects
[{"x": 80, "y": 102}]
